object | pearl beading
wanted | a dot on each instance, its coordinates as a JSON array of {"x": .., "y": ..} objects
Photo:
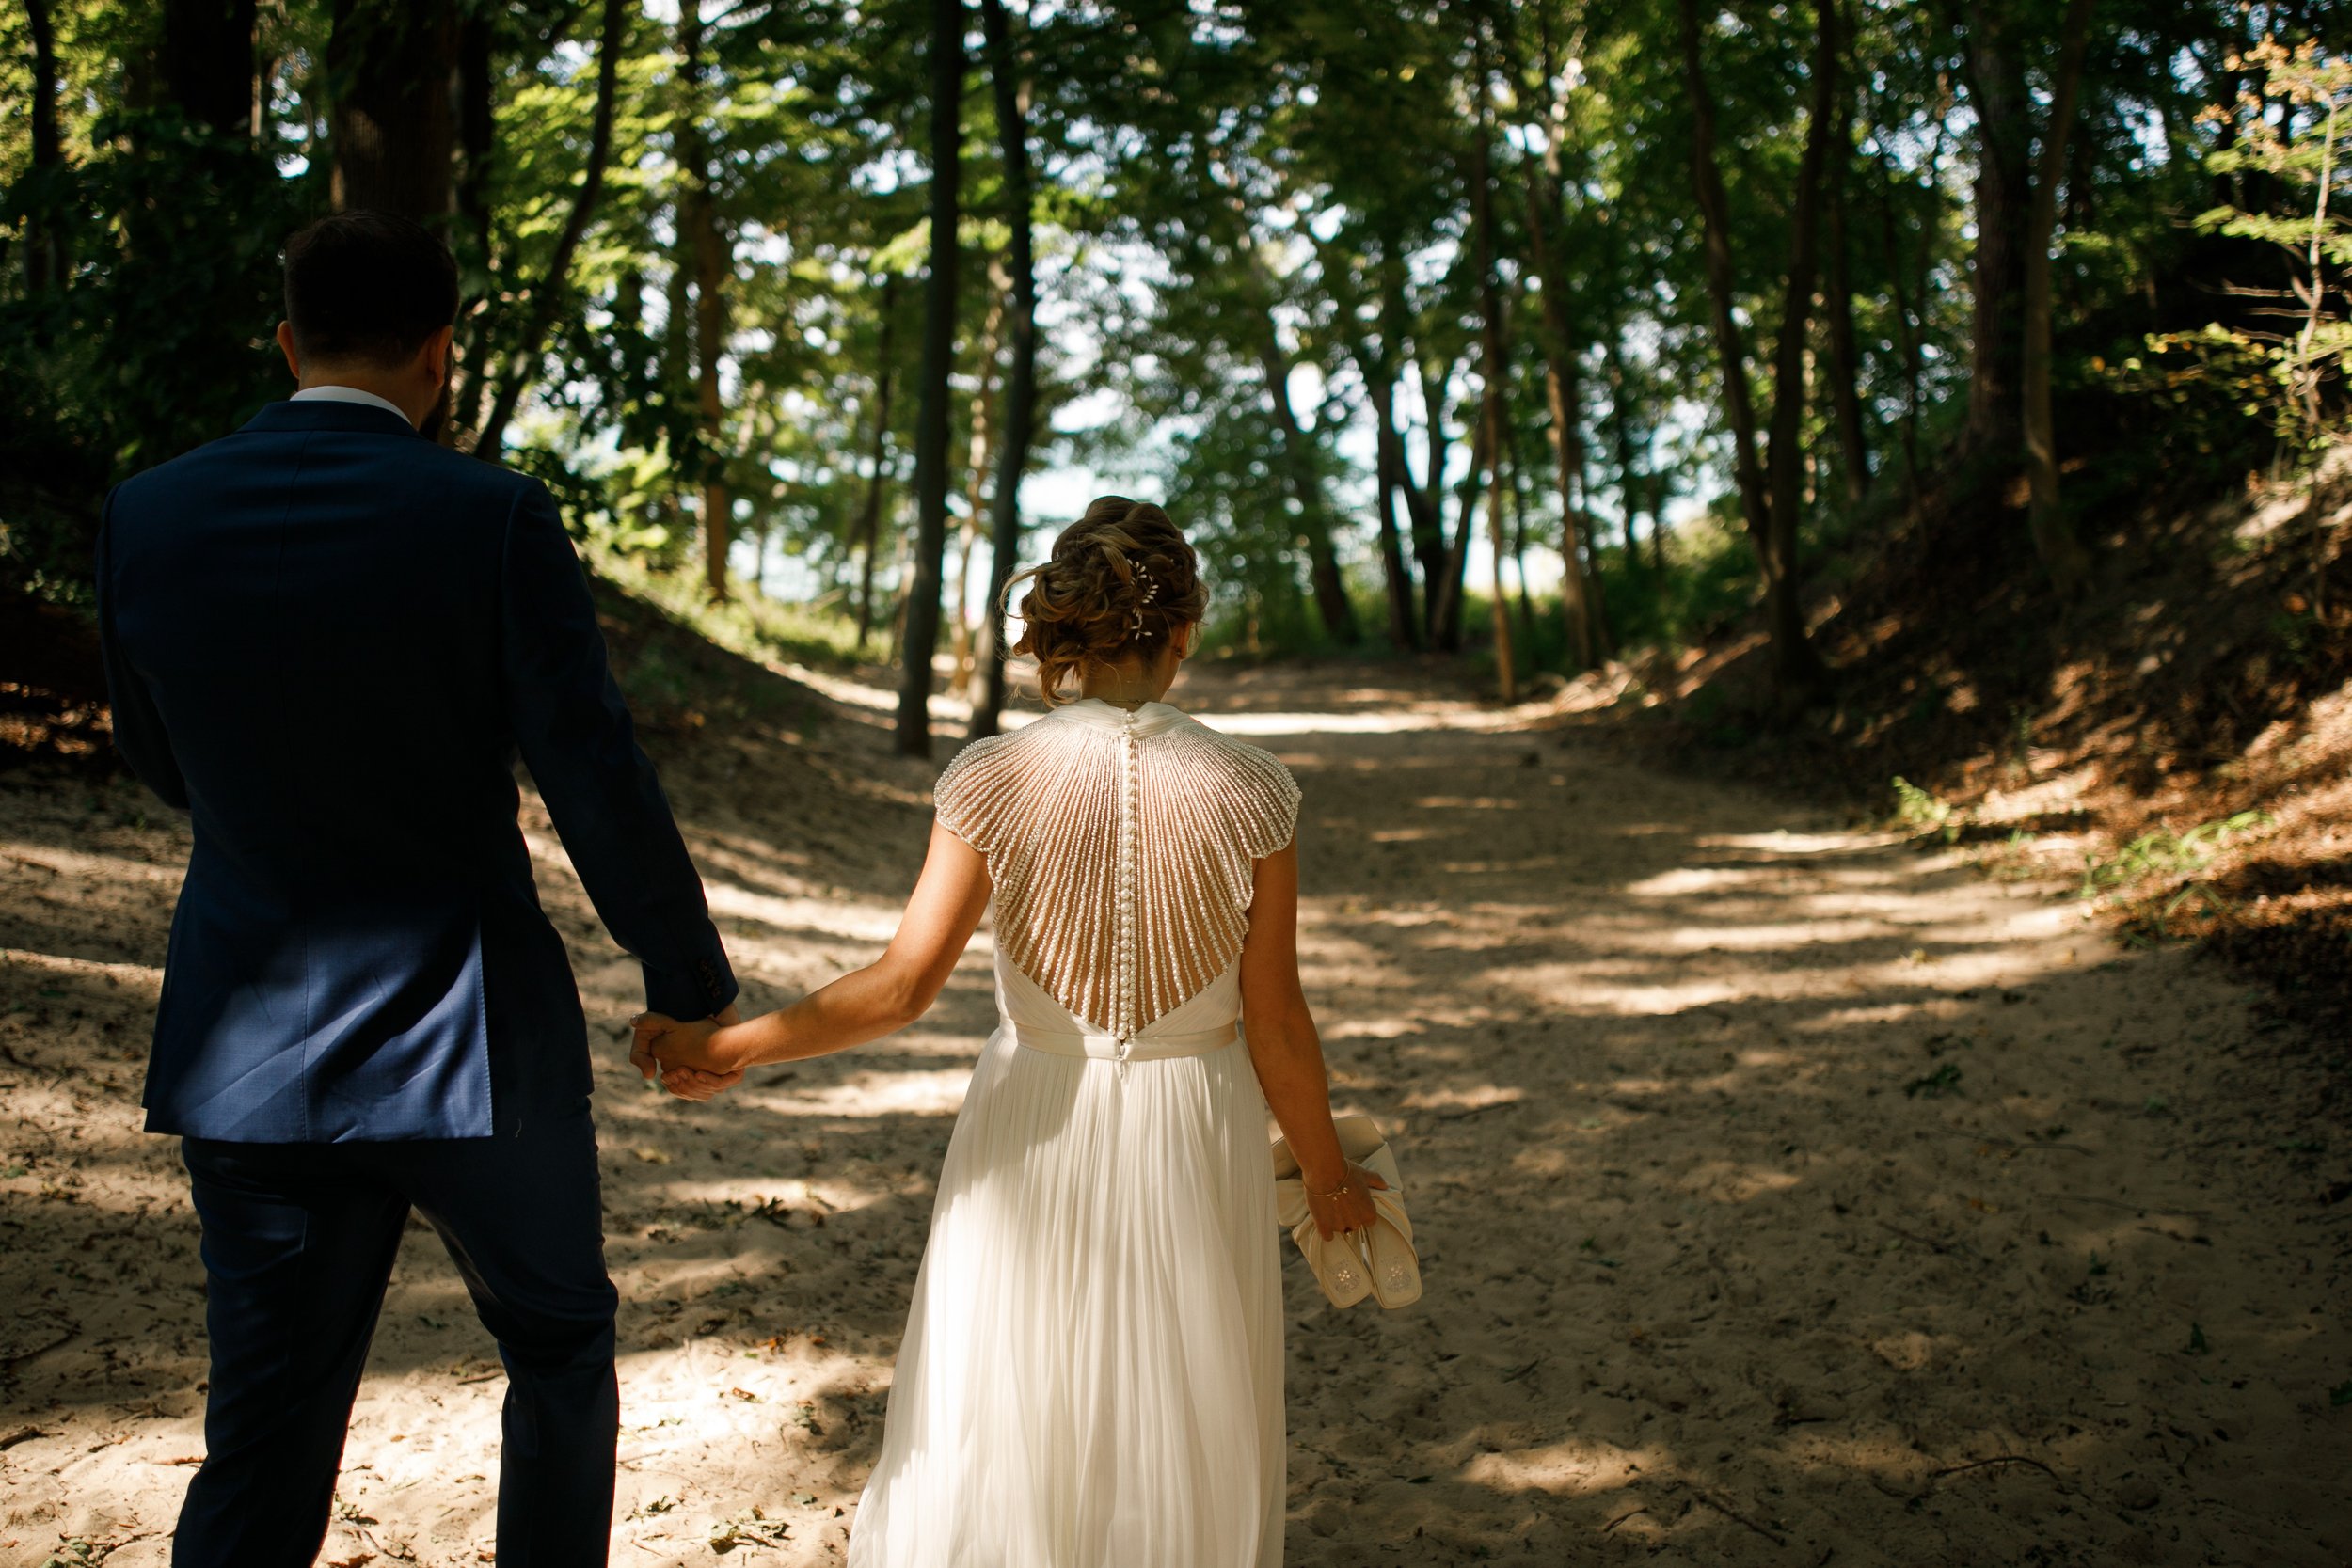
[
  {"x": 1121, "y": 854},
  {"x": 1130, "y": 808}
]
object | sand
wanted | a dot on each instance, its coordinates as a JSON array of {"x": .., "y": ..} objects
[{"x": 1789, "y": 1196}]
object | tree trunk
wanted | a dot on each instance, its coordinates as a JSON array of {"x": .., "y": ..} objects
[
  {"x": 1424, "y": 502},
  {"x": 1453, "y": 569},
  {"x": 1012, "y": 129},
  {"x": 44, "y": 245},
  {"x": 1845, "y": 359},
  {"x": 1909, "y": 330},
  {"x": 1389, "y": 478},
  {"x": 539, "y": 311},
  {"x": 1518, "y": 541},
  {"x": 1299, "y": 461},
  {"x": 1772, "y": 525},
  {"x": 477, "y": 141},
  {"x": 1785, "y": 458},
  {"x": 208, "y": 64},
  {"x": 976, "y": 484},
  {"x": 1497, "y": 373},
  {"x": 1996, "y": 82},
  {"x": 1630, "y": 481},
  {"x": 1580, "y": 591},
  {"x": 2054, "y": 537},
  {"x": 389, "y": 123},
  {"x": 698, "y": 220},
  {"x": 913, "y": 731},
  {"x": 869, "y": 520}
]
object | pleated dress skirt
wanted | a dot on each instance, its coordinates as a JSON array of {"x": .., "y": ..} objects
[{"x": 1091, "y": 1372}]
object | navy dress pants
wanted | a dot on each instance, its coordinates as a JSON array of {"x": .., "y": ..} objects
[{"x": 298, "y": 1246}]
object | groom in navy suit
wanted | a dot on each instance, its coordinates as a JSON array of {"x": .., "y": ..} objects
[{"x": 327, "y": 638}]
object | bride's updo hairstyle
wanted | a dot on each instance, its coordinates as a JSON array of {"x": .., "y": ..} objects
[{"x": 1120, "y": 581}]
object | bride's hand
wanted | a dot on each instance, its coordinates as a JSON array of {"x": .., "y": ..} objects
[
  {"x": 1347, "y": 1205},
  {"x": 689, "y": 1083}
]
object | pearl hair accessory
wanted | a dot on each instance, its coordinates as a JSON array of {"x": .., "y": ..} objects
[
  {"x": 1121, "y": 847},
  {"x": 1151, "y": 592}
]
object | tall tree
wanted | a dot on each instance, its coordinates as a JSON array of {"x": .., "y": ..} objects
[
  {"x": 1392, "y": 479},
  {"x": 1425, "y": 502},
  {"x": 208, "y": 64},
  {"x": 877, "y": 475},
  {"x": 544, "y": 299},
  {"x": 1993, "y": 68},
  {"x": 714, "y": 263},
  {"x": 44, "y": 246},
  {"x": 2054, "y": 537},
  {"x": 1844, "y": 356},
  {"x": 389, "y": 64},
  {"x": 1497, "y": 371},
  {"x": 1769, "y": 499},
  {"x": 1580, "y": 589},
  {"x": 913, "y": 731},
  {"x": 1299, "y": 465},
  {"x": 982, "y": 448},
  {"x": 1012, "y": 131}
]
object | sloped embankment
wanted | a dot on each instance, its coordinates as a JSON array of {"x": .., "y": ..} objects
[{"x": 2176, "y": 745}]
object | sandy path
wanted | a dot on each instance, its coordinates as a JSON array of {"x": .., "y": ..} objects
[{"x": 1791, "y": 1198}]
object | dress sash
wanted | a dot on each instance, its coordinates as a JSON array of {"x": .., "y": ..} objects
[{"x": 1109, "y": 1048}]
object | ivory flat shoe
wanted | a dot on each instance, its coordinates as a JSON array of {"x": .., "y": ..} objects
[{"x": 1383, "y": 1264}]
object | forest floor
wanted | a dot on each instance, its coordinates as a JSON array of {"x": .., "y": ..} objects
[{"x": 1789, "y": 1196}]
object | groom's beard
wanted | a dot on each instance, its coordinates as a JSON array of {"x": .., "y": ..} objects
[{"x": 436, "y": 422}]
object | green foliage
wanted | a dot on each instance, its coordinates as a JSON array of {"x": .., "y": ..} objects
[
  {"x": 2214, "y": 400},
  {"x": 749, "y": 624},
  {"x": 1919, "y": 810},
  {"x": 2163, "y": 853},
  {"x": 2300, "y": 152}
]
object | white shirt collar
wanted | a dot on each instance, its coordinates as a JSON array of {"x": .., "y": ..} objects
[{"x": 352, "y": 394}]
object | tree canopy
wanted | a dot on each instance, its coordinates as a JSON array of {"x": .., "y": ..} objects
[{"x": 1650, "y": 306}]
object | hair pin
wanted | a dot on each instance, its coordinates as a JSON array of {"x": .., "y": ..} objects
[{"x": 1151, "y": 591}]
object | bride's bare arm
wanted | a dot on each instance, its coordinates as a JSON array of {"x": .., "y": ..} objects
[
  {"x": 887, "y": 995},
  {"x": 1287, "y": 1053}
]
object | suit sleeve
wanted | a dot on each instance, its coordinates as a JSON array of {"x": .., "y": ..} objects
[
  {"x": 575, "y": 734},
  {"x": 138, "y": 724}
]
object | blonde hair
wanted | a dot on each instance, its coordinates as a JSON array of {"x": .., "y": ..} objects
[{"x": 1121, "y": 581}]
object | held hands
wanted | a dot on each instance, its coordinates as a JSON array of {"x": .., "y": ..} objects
[
  {"x": 1344, "y": 1205},
  {"x": 683, "y": 1055}
]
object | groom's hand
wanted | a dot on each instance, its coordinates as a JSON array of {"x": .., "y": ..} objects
[
  {"x": 658, "y": 1040},
  {"x": 646, "y": 1029}
]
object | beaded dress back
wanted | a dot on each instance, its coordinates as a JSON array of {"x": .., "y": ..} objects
[{"x": 1121, "y": 847}]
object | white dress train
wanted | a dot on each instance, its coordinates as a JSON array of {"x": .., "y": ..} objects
[{"x": 1091, "y": 1372}]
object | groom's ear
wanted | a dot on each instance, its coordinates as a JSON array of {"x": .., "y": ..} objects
[
  {"x": 286, "y": 347},
  {"x": 436, "y": 351}
]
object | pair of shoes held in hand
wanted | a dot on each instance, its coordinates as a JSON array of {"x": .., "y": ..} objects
[{"x": 1378, "y": 1262}]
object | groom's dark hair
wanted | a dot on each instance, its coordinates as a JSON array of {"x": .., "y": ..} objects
[{"x": 367, "y": 286}]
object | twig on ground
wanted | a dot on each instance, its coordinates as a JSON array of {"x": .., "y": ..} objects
[
  {"x": 1643, "y": 1508},
  {"x": 72, "y": 1331},
  {"x": 2013, "y": 1142},
  {"x": 1944, "y": 1248},
  {"x": 2141, "y": 1208},
  {"x": 1730, "y": 1512},
  {"x": 1997, "y": 1459}
]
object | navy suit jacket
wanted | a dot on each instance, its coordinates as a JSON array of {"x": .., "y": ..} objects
[{"x": 327, "y": 638}]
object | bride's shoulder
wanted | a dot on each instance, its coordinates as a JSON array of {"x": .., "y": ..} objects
[{"x": 1251, "y": 782}]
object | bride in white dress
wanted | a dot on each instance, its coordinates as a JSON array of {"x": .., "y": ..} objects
[{"x": 1093, "y": 1371}]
